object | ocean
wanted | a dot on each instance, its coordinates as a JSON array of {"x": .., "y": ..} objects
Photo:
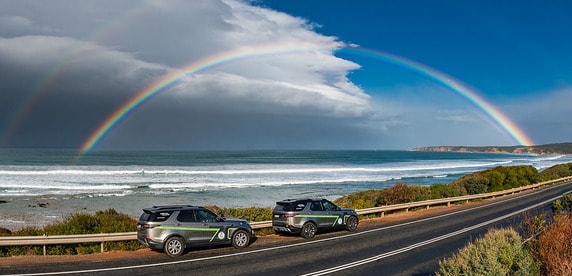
[{"x": 42, "y": 186}]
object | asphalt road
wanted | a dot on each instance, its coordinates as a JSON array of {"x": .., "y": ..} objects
[{"x": 410, "y": 247}]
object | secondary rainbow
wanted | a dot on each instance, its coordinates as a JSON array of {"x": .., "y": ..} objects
[{"x": 168, "y": 80}]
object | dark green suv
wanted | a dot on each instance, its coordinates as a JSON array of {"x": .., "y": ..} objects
[
  {"x": 306, "y": 216},
  {"x": 174, "y": 228}
]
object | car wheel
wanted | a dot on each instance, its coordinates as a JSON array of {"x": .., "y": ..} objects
[
  {"x": 351, "y": 224},
  {"x": 309, "y": 230},
  {"x": 240, "y": 239},
  {"x": 174, "y": 246}
]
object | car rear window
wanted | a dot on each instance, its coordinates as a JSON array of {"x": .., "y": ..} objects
[
  {"x": 289, "y": 206},
  {"x": 156, "y": 216}
]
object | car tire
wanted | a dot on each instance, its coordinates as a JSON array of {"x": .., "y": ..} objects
[
  {"x": 240, "y": 239},
  {"x": 309, "y": 230},
  {"x": 174, "y": 246},
  {"x": 352, "y": 223}
]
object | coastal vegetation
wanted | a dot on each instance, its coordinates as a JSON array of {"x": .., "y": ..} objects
[
  {"x": 491, "y": 180},
  {"x": 547, "y": 250},
  {"x": 108, "y": 221},
  {"x": 557, "y": 148},
  {"x": 499, "y": 252}
]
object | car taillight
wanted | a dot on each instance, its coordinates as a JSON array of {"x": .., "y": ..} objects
[
  {"x": 290, "y": 215},
  {"x": 148, "y": 226}
]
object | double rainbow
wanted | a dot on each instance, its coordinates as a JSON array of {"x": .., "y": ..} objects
[{"x": 163, "y": 83}]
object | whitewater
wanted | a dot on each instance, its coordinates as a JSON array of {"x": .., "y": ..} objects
[{"x": 43, "y": 186}]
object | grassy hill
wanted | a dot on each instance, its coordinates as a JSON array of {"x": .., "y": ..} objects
[{"x": 560, "y": 148}]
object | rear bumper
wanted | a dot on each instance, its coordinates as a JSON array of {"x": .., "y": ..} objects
[
  {"x": 286, "y": 229},
  {"x": 150, "y": 243}
]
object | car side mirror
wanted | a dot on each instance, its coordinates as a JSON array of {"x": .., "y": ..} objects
[{"x": 220, "y": 219}]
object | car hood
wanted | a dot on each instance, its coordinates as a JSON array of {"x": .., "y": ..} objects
[
  {"x": 235, "y": 221},
  {"x": 348, "y": 210}
]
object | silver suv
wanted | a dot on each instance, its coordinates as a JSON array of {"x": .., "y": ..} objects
[
  {"x": 306, "y": 216},
  {"x": 174, "y": 228}
]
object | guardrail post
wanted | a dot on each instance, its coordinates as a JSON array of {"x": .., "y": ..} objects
[
  {"x": 102, "y": 247},
  {"x": 44, "y": 250}
]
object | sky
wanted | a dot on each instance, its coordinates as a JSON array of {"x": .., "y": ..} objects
[{"x": 246, "y": 75}]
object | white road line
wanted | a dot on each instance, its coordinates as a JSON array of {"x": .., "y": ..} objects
[
  {"x": 285, "y": 246},
  {"x": 413, "y": 246}
]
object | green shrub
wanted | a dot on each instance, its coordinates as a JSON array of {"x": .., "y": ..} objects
[
  {"x": 499, "y": 252},
  {"x": 556, "y": 171},
  {"x": 420, "y": 193},
  {"x": 498, "y": 179},
  {"x": 562, "y": 205},
  {"x": 247, "y": 213},
  {"x": 398, "y": 193},
  {"x": 476, "y": 184},
  {"x": 362, "y": 199},
  {"x": 443, "y": 191}
]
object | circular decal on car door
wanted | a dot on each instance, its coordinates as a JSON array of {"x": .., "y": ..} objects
[
  {"x": 221, "y": 235},
  {"x": 340, "y": 221}
]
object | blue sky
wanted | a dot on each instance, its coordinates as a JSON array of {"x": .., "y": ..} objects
[
  {"x": 67, "y": 66},
  {"x": 503, "y": 49}
]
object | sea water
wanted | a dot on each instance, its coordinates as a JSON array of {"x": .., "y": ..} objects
[{"x": 41, "y": 186}]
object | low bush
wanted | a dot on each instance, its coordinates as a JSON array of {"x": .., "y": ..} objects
[
  {"x": 499, "y": 252},
  {"x": 108, "y": 221},
  {"x": 555, "y": 247},
  {"x": 563, "y": 205},
  {"x": 556, "y": 171},
  {"x": 247, "y": 213},
  {"x": 362, "y": 199}
]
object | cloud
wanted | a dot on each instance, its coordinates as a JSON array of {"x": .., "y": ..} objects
[
  {"x": 67, "y": 66},
  {"x": 547, "y": 116}
]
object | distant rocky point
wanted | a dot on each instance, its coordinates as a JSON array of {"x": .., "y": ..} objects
[{"x": 560, "y": 148}]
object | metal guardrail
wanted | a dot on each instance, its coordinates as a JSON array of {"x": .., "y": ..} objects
[
  {"x": 129, "y": 236},
  {"x": 67, "y": 239}
]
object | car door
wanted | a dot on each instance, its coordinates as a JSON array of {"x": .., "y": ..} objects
[
  {"x": 213, "y": 226},
  {"x": 195, "y": 230},
  {"x": 321, "y": 216},
  {"x": 333, "y": 212}
]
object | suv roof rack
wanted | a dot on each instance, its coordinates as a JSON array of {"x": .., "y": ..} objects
[{"x": 170, "y": 206}]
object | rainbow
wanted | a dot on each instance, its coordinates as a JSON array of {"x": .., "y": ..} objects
[
  {"x": 163, "y": 83},
  {"x": 493, "y": 113},
  {"x": 169, "y": 79}
]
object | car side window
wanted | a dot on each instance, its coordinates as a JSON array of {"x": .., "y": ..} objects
[
  {"x": 161, "y": 216},
  {"x": 329, "y": 206},
  {"x": 206, "y": 216},
  {"x": 316, "y": 206},
  {"x": 187, "y": 216}
]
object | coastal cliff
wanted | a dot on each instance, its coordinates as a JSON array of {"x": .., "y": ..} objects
[{"x": 560, "y": 148}]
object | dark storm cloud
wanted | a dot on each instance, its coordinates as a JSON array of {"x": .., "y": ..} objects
[{"x": 66, "y": 67}]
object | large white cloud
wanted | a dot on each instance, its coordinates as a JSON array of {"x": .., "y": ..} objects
[{"x": 84, "y": 59}]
